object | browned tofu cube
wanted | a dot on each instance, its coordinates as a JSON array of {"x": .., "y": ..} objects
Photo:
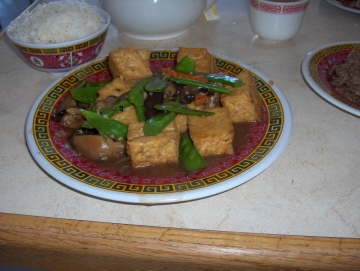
[
  {"x": 214, "y": 134},
  {"x": 127, "y": 116},
  {"x": 130, "y": 64},
  {"x": 205, "y": 62},
  {"x": 181, "y": 123},
  {"x": 152, "y": 150},
  {"x": 116, "y": 88},
  {"x": 244, "y": 104}
]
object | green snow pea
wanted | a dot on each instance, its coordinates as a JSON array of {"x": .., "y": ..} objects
[
  {"x": 189, "y": 156},
  {"x": 186, "y": 65},
  {"x": 140, "y": 113},
  {"x": 136, "y": 93},
  {"x": 154, "y": 125},
  {"x": 190, "y": 82},
  {"x": 175, "y": 106},
  {"x": 117, "y": 107},
  {"x": 156, "y": 84},
  {"x": 105, "y": 126},
  {"x": 85, "y": 94},
  {"x": 225, "y": 79}
]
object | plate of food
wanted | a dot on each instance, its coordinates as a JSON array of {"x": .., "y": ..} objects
[
  {"x": 333, "y": 72},
  {"x": 158, "y": 127},
  {"x": 349, "y": 5}
]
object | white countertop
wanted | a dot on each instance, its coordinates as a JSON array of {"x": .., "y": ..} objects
[{"x": 312, "y": 189}]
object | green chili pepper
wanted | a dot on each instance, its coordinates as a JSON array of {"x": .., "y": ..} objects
[
  {"x": 225, "y": 79},
  {"x": 85, "y": 95},
  {"x": 189, "y": 156},
  {"x": 157, "y": 123},
  {"x": 156, "y": 84},
  {"x": 186, "y": 65},
  {"x": 136, "y": 94},
  {"x": 105, "y": 126},
  {"x": 175, "y": 106},
  {"x": 190, "y": 82}
]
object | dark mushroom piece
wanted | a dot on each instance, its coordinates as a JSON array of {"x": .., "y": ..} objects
[
  {"x": 97, "y": 148},
  {"x": 70, "y": 118}
]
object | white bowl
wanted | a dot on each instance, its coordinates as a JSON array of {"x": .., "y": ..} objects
[
  {"x": 62, "y": 57},
  {"x": 155, "y": 19}
]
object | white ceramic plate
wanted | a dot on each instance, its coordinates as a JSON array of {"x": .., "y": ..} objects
[
  {"x": 265, "y": 143},
  {"x": 316, "y": 67},
  {"x": 344, "y": 5}
]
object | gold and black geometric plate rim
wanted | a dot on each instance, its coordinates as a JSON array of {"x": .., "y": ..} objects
[
  {"x": 48, "y": 150},
  {"x": 316, "y": 59}
]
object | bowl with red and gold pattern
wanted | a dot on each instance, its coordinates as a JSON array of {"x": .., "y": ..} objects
[{"x": 60, "y": 35}]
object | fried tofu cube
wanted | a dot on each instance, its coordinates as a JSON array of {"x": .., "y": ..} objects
[
  {"x": 244, "y": 104},
  {"x": 181, "y": 123},
  {"x": 116, "y": 88},
  {"x": 152, "y": 150},
  {"x": 205, "y": 62},
  {"x": 214, "y": 134},
  {"x": 130, "y": 64},
  {"x": 127, "y": 116}
]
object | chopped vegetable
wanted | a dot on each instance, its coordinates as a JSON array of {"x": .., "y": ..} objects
[
  {"x": 140, "y": 113},
  {"x": 189, "y": 156},
  {"x": 190, "y": 82},
  {"x": 186, "y": 65},
  {"x": 200, "y": 99},
  {"x": 136, "y": 94},
  {"x": 173, "y": 73},
  {"x": 85, "y": 94},
  {"x": 100, "y": 84},
  {"x": 157, "y": 123},
  {"x": 117, "y": 107},
  {"x": 175, "y": 106},
  {"x": 156, "y": 84},
  {"x": 225, "y": 79},
  {"x": 105, "y": 126}
]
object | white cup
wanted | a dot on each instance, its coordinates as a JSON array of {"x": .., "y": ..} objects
[{"x": 277, "y": 20}]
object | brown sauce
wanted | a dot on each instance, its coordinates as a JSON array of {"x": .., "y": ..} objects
[{"x": 241, "y": 131}]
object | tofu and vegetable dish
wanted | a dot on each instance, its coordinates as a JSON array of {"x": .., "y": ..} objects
[{"x": 180, "y": 119}]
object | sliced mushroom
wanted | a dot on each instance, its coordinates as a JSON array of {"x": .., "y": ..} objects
[
  {"x": 97, "y": 148},
  {"x": 71, "y": 118}
]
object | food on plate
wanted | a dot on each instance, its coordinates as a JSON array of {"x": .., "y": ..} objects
[
  {"x": 56, "y": 22},
  {"x": 188, "y": 117},
  {"x": 346, "y": 77}
]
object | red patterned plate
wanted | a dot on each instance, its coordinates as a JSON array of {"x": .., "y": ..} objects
[
  {"x": 316, "y": 71},
  {"x": 265, "y": 142},
  {"x": 349, "y": 5}
]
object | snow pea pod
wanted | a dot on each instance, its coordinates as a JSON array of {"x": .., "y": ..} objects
[
  {"x": 136, "y": 93},
  {"x": 189, "y": 156},
  {"x": 140, "y": 113},
  {"x": 105, "y": 126},
  {"x": 190, "y": 82},
  {"x": 156, "y": 84},
  {"x": 225, "y": 79},
  {"x": 117, "y": 107},
  {"x": 85, "y": 94},
  {"x": 186, "y": 65},
  {"x": 175, "y": 106},
  {"x": 157, "y": 123}
]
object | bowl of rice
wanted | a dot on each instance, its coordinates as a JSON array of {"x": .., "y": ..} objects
[{"x": 59, "y": 35}]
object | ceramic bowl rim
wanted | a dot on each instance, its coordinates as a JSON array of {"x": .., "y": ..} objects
[{"x": 62, "y": 44}]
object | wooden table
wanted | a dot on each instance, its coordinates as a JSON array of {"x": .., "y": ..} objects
[{"x": 301, "y": 213}]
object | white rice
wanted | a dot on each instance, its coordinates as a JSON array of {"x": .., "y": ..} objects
[{"x": 55, "y": 22}]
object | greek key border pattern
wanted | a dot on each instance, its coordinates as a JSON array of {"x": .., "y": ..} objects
[
  {"x": 61, "y": 50},
  {"x": 46, "y": 146},
  {"x": 316, "y": 59}
]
